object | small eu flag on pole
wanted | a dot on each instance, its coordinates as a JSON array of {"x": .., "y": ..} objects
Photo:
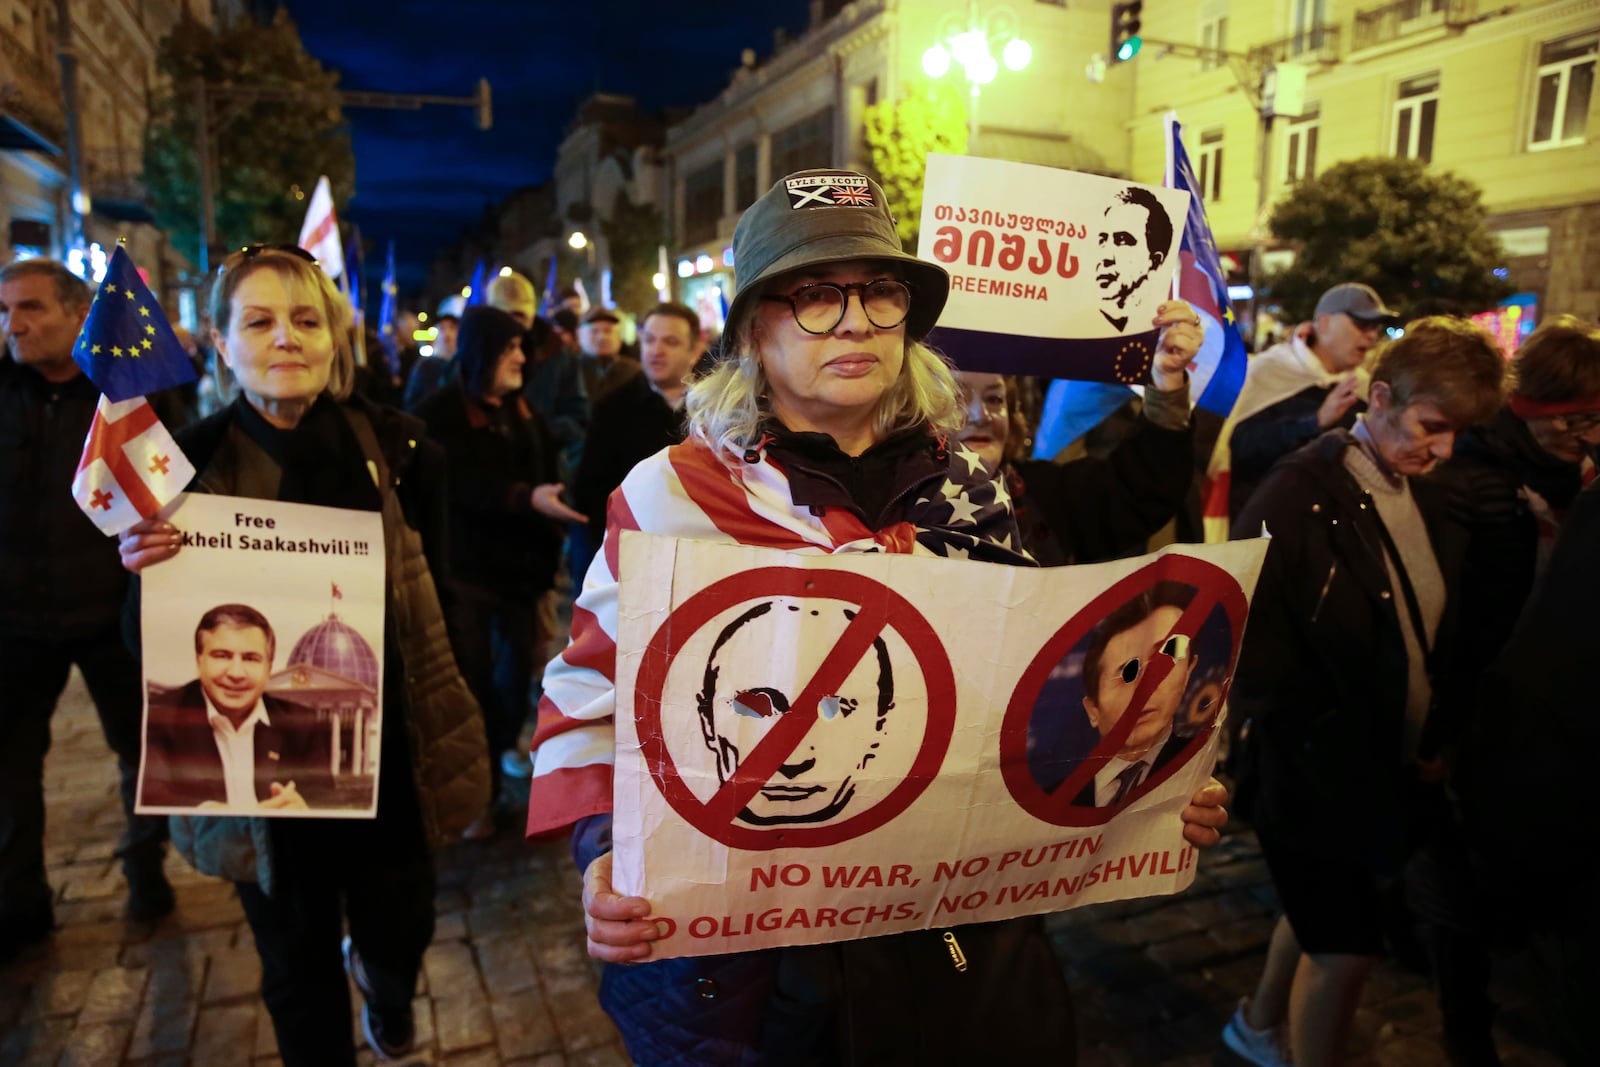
[
  {"x": 131, "y": 468},
  {"x": 127, "y": 347}
]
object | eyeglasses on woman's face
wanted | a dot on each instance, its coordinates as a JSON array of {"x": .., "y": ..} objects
[{"x": 820, "y": 307}]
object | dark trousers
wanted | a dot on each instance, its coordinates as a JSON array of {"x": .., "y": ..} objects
[
  {"x": 377, "y": 875},
  {"x": 1452, "y": 918},
  {"x": 33, "y": 673},
  {"x": 494, "y": 642}
]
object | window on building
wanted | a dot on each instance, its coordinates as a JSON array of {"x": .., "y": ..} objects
[
  {"x": 804, "y": 145},
  {"x": 1416, "y": 110},
  {"x": 1213, "y": 36},
  {"x": 1208, "y": 162},
  {"x": 702, "y": 203},
  {"x": 1300, "y": 145},
  {"x": 744, "y": 177},
  {"x": 1563, "y": 88},
  {"x": 1308, "y": 19}
]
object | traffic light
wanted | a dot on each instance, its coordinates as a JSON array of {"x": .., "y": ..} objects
[{"x": 1125, "y": 40}]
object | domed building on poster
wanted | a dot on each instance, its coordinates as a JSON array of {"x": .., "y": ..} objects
[{"x": 333, "y": 672}]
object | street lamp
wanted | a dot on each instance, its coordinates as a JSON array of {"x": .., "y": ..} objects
[
  {"x": 971, "y": 44},
  {"x": 578, "y": 241}
]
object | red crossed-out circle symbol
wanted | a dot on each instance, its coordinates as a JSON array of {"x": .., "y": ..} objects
[
  {"x": 876, "y": 608},
  {"x": 1214, "y": 586}
]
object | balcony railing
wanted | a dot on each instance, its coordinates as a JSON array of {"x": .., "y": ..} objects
[
  {"x": 1401, "y": 18},
  {"x": 115, "y": 173},
  {"x": 1316, "y": 44},
  {"x": 30, "y": 88}
]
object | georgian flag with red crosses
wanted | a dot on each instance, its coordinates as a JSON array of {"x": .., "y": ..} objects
[{"x": 131, "y": 467}]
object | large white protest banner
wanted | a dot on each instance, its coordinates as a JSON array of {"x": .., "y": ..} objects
[
  {"x": 1052, "y": 273},
  {"x": 263, "y": 661},
  {"x": 818, "y": 748}
]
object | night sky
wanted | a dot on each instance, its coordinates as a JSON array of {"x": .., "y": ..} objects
[{"x": 424, "y": 176}]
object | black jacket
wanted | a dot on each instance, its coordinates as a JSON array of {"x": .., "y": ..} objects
[
  {"x": 1322, "y": 674},
  {"x": 630, "y": 424},
  {"x": 1524, "y": 766},
  {"x": 1485, "y": 481},
  {"x": 60, "y": 577},
  {"x": 1272, "y": 433},
  {"x": 495, "y": 458},
  {"x": 1095, "y": 509}
]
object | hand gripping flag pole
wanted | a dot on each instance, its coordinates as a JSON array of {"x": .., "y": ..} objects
[{"x": 131, "y": 467}]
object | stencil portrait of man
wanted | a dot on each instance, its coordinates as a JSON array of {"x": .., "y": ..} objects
[
  {"x": 1135, "y": 233},
  {"x": 739, "y": 703}
]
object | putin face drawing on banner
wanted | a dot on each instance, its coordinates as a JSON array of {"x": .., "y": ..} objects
[
  {"x": 1135, "y": 234},
  {"x": 738, "y": 704}
]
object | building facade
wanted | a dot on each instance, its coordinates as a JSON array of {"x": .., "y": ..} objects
[
  {"x": 804, "y": 107},
  {"x": 1498, "y": 93},
  {"x": 110, "y": 48}
]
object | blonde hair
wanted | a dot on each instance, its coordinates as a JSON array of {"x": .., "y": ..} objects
[
  {"x": 726, "y": 406},
  {"x": 296, "y": 273}
]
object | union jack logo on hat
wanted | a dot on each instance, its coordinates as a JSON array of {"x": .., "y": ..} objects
[{"x": 829, "y": 190}]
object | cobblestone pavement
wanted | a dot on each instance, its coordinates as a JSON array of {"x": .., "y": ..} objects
[{"x": 507, "y": 980}]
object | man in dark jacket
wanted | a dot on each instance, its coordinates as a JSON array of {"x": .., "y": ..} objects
[
  {"x": 1512, "y": 480},
  {"x": 1304, "y": 386},
  {"x": 61, "y": 595},
  {"x": 553, "y": 387},
  {"x": 503, "y": 492},
  {"x": 1337, "y": 673},
  {"x": 643, "y": 415}
]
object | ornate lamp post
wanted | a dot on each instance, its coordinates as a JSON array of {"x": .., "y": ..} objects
[{"x": 971, "y": 43}]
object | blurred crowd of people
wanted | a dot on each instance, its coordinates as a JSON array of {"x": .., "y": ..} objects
[{"x": 1407, "y": 720}]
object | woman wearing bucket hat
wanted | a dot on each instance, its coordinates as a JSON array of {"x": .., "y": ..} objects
[{"x": 825, "y": 428}]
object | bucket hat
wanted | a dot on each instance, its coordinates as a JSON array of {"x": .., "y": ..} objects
[{"x": 814, "y": 218}]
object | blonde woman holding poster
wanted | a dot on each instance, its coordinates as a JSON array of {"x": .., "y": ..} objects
[
  {"x": 827, "y": 427},
  {"x": 296, "y": 434}
]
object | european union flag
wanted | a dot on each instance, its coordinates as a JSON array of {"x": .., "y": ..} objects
[{"x": 127, "y": 347}]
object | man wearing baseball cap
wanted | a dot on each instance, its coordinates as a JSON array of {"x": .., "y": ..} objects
[{"x": 1302, "y": 387}]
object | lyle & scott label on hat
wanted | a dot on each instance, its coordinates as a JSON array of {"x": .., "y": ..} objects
[{"x": 829, "y": 190}]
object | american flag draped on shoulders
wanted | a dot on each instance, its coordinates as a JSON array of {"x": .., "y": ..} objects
[
  {"x": 131, "y": 468},
  {"x": 691, "y": 492}
]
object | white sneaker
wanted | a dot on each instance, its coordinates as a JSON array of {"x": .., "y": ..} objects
[{"x": 1264, "y": 1048}]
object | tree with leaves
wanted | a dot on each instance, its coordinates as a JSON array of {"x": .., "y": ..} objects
[
  {"x": 276, "y": 126},
  {"x": 1419, "y": 237},
  {"x": 633, "y": 234},
  {"x": 900, "y": 134}
]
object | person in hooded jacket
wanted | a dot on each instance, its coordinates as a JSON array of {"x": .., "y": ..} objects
[{"x": 503, "y": 546}]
